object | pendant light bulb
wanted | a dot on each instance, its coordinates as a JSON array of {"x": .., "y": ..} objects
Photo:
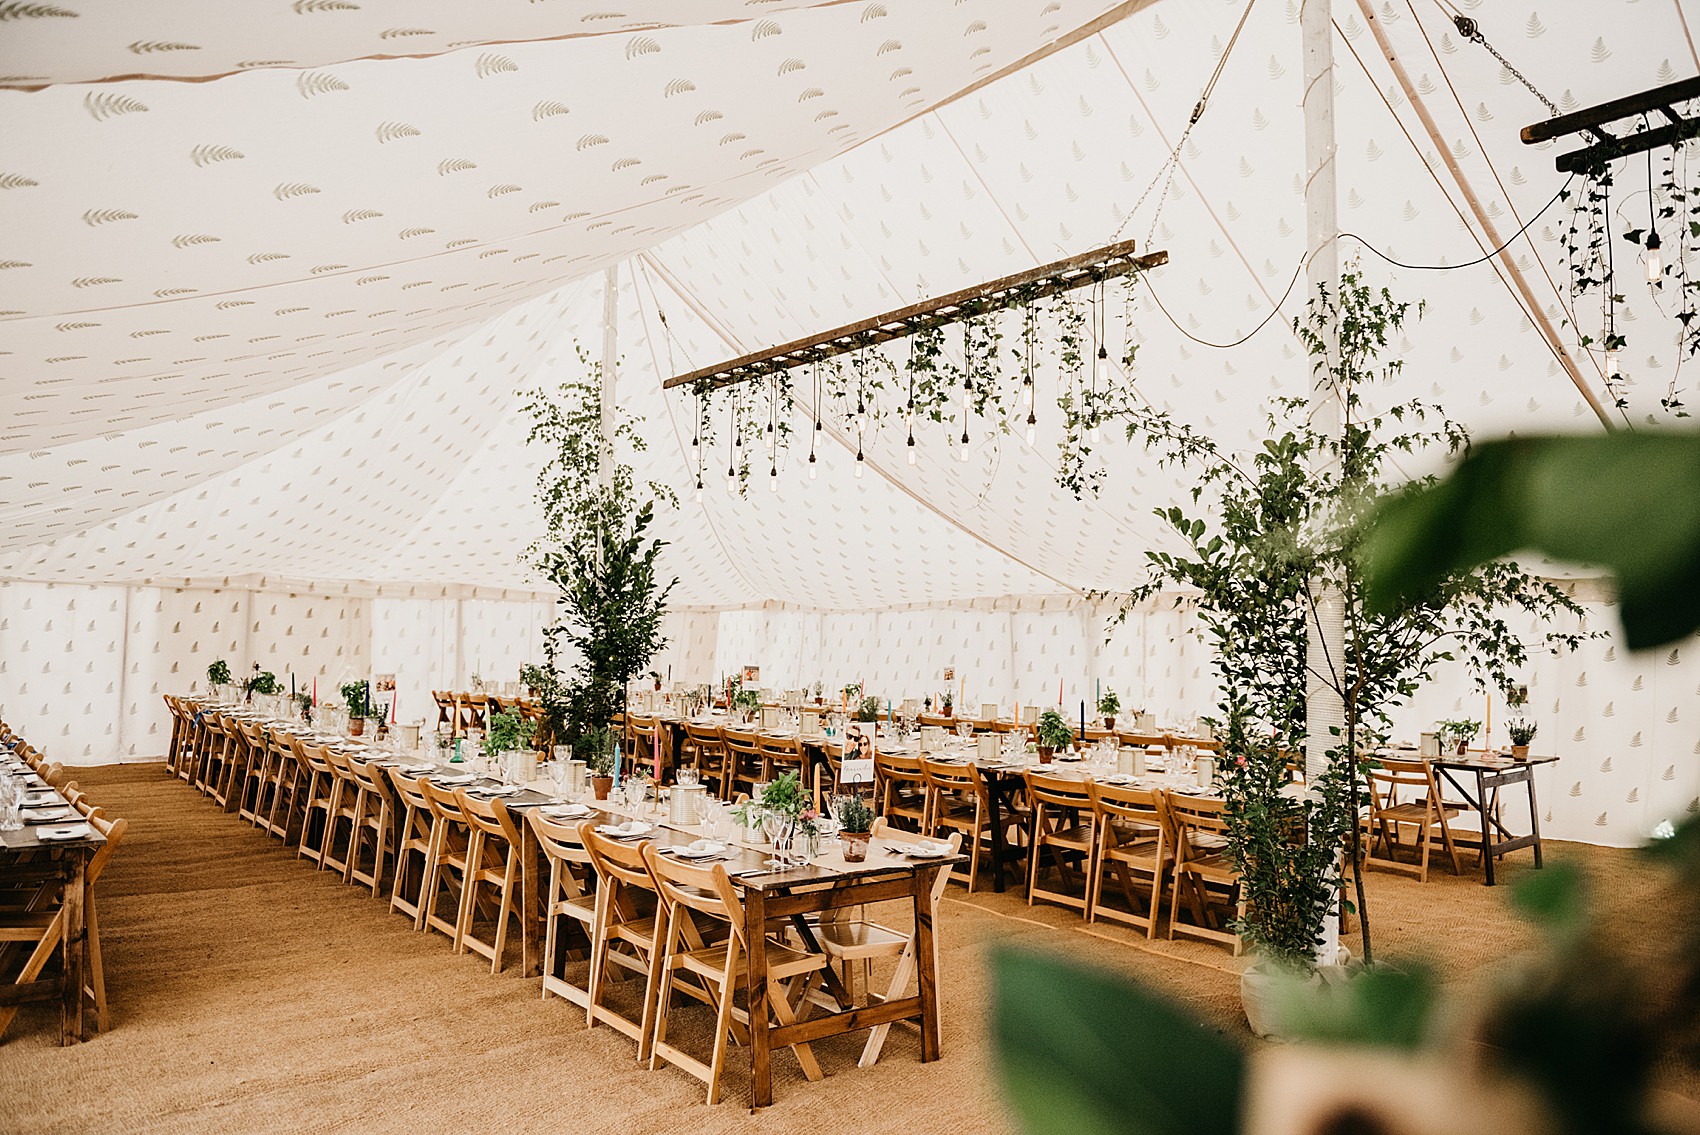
[
  {"x": 1611, "y": 363},
  {"x": 1026, "y": 395},
  {"x": 699, "y": 490},
  {"x": 813, "y": 466},
  {"x": 911, "y": 447},
  {"x": 773, "y": 481},
  {"x": 1655, "y": 263},
  {"x": 1101, "y": 366},
  {"x": 859, "y": 463}
]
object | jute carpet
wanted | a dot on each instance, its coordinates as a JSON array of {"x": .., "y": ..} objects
[{"x": 250, "y": 993}]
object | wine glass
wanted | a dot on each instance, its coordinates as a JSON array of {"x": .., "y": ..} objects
[
  {"x": 558, "y": 775},
  {"x": 965, "y": 730},
  {"x": 712, "y": 817}
]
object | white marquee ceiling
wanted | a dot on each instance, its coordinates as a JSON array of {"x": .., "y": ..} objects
[{"x": 332, "y": 395}]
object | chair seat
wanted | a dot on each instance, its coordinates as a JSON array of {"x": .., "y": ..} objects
[
  {"x": 856, "y": 939},
  {"x": 1077, "y": 838},
  {"x": 782, "y": 961},
  {"x": 1415, "y": 812}
]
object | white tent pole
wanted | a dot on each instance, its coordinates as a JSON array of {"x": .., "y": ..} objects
[
  {"x": 610, "y": 358},
  {"x": 1325, "y": 636}
]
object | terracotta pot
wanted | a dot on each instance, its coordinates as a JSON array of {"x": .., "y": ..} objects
[
  {"x": 1463, "y": 747},
  {"x": 1046, "y": 752},
  {"x": 356, "y": 726},
  {"x": 600, "y": 785},
  {"x": 1520, "y": 752},
  {"x": 1110, "y": 723},
  {"x": 949, "y": 711},
  {"x": 855, "y": 846}
]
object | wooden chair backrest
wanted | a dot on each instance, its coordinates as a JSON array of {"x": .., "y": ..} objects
[
  {"x": 705, "y": 889},
  {"x": 882, "y": 830},
  {"x": 443, "y": 802},
  {"x": 559, "y": 839},
  {"x": 1125, "y": 802},
  {"x": 489, "y": 816},
  {"x": 950, "y": 777},
  {"x": 616, "y": 862},
  {"x": 740, "y": 741},
  {"x": 317, "y": 758},
  {"x": 898, "y": 769},
  {"x": 369, "y": 775},
  {"x": 1058, "y": 791},
  {"x": 1145, "y": 740},
  {"x": 409, "y": 792},
  {"x": 1191, "y": 814},
  {"x": 789, "y": 749},
  {"x": 114, "y": 831}
]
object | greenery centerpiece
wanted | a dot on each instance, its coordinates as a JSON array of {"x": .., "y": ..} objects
[
  {"x": 868, "y": 709},
  {"x": 218, "y": 674},
  {"x": 855, "y": 823},
  {"x": 1053, "y": 733},
  {"x": 357, "y": 696},
  {"x": 598, "y": 550},
  {"x": 742, "y": 700},
  {"x": 1270, "y": 553},
  {"x": 508, "y": 732},
  {"x": 786, "y": 815},
  {"x": 1108, "y": 706},
  {"x": 1458, "y": 733}
]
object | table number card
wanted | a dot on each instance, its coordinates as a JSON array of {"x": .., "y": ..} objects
[{"x": 858, "y": 764}]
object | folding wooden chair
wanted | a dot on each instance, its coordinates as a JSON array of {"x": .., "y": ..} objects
[
  {"x": 712, "y": 967},
  {"x": 1389, "y": 816},
  {"x": 627, "y": 934},
  {"x": 902, "y": 789},
  {"x": 570, "y": 898},
  {"x": 492, "y": 860},
  {"x": 1063, "y": 821},
  {"x": 1204, "y": 870},
  {"x": 1135, "y": 847}
]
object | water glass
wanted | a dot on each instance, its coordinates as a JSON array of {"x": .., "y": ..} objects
[
  {"x": 965, "y": 730},
  {"x": 11, "y": 796}
]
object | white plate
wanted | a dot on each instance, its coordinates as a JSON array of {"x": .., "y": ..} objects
[
  {"x": 623, "y": 831},
  {"x": 450, "y": 781},
  {"x": 68, "y": 831},
  {"x": 565, "y": 811},
  {"x": 699, "y": 850}
]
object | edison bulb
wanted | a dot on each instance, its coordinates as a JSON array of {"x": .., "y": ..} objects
[
  {"x": 1655, "y": 267},
  {"x": 1032, "y": 433},
  {"x": 858, "y": 470},
  {"x": 911, "y": 454}
]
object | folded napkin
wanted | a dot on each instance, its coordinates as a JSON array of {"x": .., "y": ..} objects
[
  {"x": 566, "y": 811},
  {"x": 623, "y": 831},
  {"x": 69, "y": 831},
  {"x": 504, "y": 790},
  {"x": 701, "y": 849},
  {"x": 457, "y": 778}
]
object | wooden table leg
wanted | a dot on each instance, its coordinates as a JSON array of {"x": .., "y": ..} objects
[
  {"x": 994, "y": 801},
  {"x": 1534, "y": 819},
  {"x": 761, "y": 1066},
  {"x": 1488, "y": 838},
  {"x": 71, "y": 996},
  {"x": 926, "y": 963},
  {"x": 531, "y": 917}
]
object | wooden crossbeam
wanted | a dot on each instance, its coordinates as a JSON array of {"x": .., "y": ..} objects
[
  {"x": 1592, "y": 119},
  {"x": 1080, "y": 271}
]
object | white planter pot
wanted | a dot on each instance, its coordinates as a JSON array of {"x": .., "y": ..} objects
[{"x": 1266, "y": 990}]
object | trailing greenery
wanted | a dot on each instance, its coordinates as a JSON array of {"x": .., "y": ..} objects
[
  {"x": 218, "y": 674},
  {"x": 597, "y": 550},
  {"x": 854, "y": 815},
  {"x": 1053, "y": 731},
  {"x": 1270, "y": 539},
  {"x": 508, "y": 732}
]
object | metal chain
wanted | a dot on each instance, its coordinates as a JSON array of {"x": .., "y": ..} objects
[{"x": 1470, "y": 31}]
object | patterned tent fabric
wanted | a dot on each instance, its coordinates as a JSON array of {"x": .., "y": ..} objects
[{"x": 272, "y": 286}]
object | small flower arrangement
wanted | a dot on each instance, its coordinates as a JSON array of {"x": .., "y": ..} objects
[{"x": 1521, "y": 732}]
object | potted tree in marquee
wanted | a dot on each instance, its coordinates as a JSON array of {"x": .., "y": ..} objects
[
  {"x": 1052, "y": 733},
  {"x": 597, "y": 550},
  {"x": 1274, "y": 535},
  {"x": 1108, "y": 706}
]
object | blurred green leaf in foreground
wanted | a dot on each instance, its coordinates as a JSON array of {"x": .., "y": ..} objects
[{"x": 1627, "y": 502}]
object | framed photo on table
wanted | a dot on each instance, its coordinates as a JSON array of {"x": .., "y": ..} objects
[{"x": 858, "y": 764}]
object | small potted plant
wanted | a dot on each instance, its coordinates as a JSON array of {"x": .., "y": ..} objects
[
  {"x": 820, "y": 693},
  {"x": 947, "y": 704},
  {"x": 868, "y": 710},
  {"x": 1461, "y": 733},
  {"x": 855, "y": 824},
  {"x": 354, "y": 695},
  {"x": 1108, "y": 706},
  {"x": 1521, "y": 732},
  {"x": 783, "y": 797},
  {"x": 595, "y": 748},
  {"x": 745, "y": 703},
  {"x": 304, "y": 700},
  {"x": 508, "y": 733},
  {"x": 218, "y": 674},
  {"x": 1053, "y": 734}
]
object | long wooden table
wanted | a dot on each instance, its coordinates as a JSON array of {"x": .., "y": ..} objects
[
  {"x": 827, "y": 882},
  {"x": 69, "y": 861}
]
